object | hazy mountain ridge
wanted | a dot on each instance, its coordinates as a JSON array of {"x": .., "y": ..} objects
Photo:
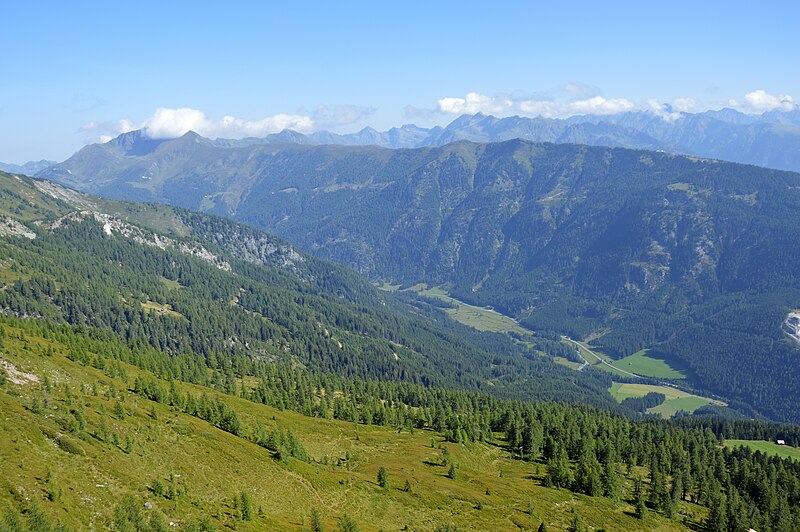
[
  {"x": 771, "y": 139},
  {"x": 29, "y": 168}
]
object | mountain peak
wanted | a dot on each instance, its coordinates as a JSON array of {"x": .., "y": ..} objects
[
  {"x": 467, "y": 120},
  {"x": 192, "y": 135},
  {"x": 134, "y": 143}
]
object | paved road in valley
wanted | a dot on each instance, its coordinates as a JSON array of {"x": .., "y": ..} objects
[{"x": 586, "y": 362}]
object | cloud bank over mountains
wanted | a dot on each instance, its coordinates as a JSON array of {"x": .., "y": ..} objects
[
  {"x": 579, "y": 99},
  {"x": 585, "y": 102},
  {"x": 167, "y": 123},
  {"x": 760, "y": 101},
  {"x": 501, "y": 105}
]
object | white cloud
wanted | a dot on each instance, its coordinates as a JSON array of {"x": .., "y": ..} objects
[
  {"x": 684, "y": 105},
  {"x": 580, "y": 99},
  {"x": 104, "y": 131},
  {"x": 662, "y": 110},
  {"x": 478, "y": 103},
  {"x": 171, "y": 123},
  {"x": 168, "y": 122},
  {"x": 596, "y": 105},
  {"x": 474, "y": 103},
  {"x": 125, "y": 125},
  {"x": 760, "y": 101},
  {"x": 674, "y": 110}
]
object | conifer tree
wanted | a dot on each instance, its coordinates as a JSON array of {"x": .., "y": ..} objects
[
  {"x": 576, "y": 525},
  {"x": 638, "y": 496},
  {"x": 245, "y": 506},
  {"x": 347, "y": 524},
  {"x": 717, "y": 520},
  {"x": 657, "y": 488},
  {"x": 558, "y": 473},
  {"x": 316, "y": 521},
  {"x": 611, "y": 481}
]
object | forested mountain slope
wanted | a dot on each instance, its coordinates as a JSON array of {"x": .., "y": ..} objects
[
  {"x": 634, "y": 249},
  {"x": 201, "y": 287}
]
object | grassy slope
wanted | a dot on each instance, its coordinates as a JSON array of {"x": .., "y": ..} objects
[
  {"x": 213, "y": 466},
  {"x": 766, "y": 447},
  {"x": 639, "y": 363},
  {"x": 676, "y": 399}
]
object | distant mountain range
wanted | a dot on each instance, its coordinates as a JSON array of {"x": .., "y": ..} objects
[
  {"x": 29, "y": 168},
  {"x": 692, "y": 257},
  {"x": 771, "y": 139}
]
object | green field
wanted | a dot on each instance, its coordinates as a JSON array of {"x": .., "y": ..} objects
[
  {"x": 593, "y": 357},
  {"x": 642, "y": 364},
  {"x": 157, "y": 217},
  {"x": 676, "y": 400},
  {"x": 481, "y": 318},
  {"x": 639, "y": 363},
  {"x": 387, "y": 286},
  {"x": 766, "y": 447}
]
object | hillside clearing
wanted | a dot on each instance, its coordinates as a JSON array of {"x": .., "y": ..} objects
[
  {"x": 766, "y": 447},
  {"x": 676, "y": 400}
]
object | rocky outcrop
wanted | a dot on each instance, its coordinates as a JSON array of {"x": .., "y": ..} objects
[{"x": 792, "y": 325}]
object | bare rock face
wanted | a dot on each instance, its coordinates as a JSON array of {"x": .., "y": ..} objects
[
  {"x": 113, "y": 225},
  {"x": 792, "y": 325},
  {"x": 11, "y": 227}
]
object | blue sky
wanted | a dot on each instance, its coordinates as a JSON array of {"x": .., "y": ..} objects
[{"x": 74, "y": 72}]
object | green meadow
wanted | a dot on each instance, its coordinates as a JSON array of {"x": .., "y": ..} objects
[
  {"x": 766, "y": 447},
  {"x": 676, "y": 400}
]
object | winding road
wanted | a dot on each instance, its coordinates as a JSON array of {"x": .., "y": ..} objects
[{"x": 582, "y": 347}]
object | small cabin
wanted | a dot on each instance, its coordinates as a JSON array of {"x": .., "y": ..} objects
[{"x": 781, "y": 442}]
